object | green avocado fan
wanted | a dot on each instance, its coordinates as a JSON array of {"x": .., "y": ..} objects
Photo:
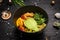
[{"x": 30, "y": 23}]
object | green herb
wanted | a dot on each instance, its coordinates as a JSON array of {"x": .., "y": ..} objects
[
  {"x": 39, "y": 18},
  {"x": 42, "y": 20},
  {"x": 19, "y": 2}
]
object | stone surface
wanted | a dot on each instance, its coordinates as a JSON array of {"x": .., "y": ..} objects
[{"x": 9, "y": 32}]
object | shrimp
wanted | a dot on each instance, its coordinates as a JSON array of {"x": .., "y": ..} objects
[{"x": 26, "y": 15}]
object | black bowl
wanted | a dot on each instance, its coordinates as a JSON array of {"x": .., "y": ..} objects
[{"x": 30, "y": 8}]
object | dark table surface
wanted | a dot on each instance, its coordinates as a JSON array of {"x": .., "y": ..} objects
[{"x": 9, "y": 32}]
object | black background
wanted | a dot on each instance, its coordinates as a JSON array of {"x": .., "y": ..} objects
[{"x": 9, "y": 32}]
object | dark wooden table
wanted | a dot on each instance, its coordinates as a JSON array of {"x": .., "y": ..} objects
[{"x": 9, "y": 32}]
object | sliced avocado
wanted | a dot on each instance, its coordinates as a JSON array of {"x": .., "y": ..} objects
[{"x": 30, "y": 23}]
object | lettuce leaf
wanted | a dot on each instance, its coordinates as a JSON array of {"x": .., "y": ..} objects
[{"x": 39, "y": 18}]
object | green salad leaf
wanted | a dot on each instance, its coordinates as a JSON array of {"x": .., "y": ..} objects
[
  {"x": 30, "y": 23},
  {"x": 39, "y": 18}
]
